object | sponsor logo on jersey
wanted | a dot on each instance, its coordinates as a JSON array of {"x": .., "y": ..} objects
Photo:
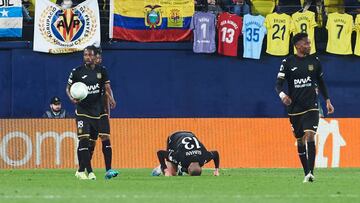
[
  {"x": 302, "y": 82},
  {"x": 94, "y": 89},
  {"x": 203, "y": 41},
  {"x": 311, "y": 67},
  {"x": 83, "y": 77},
  {"x": 98, "y": 76},
  {"x": 293, "y": 69}
]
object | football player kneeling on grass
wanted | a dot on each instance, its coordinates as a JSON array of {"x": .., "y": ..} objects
[{"x": 185, "y": 154}]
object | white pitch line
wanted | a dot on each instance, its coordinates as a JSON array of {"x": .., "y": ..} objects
[{"x": 162, "y": 196}]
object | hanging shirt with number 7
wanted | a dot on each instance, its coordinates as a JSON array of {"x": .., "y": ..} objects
[
  {"x": 229, "y": 28},
  {"x": 279, "y": 28},
  {"x": 340, "y": 27}
]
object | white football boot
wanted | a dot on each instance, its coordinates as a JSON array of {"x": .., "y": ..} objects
[
  {"x": 91, "y": 176},
  {"x": 81, "y": 175}
]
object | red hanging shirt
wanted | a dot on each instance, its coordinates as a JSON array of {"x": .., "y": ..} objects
[{"x": 229, "y": 28}]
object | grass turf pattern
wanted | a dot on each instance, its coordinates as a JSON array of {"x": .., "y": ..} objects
[{"x": 136, "y": 185}]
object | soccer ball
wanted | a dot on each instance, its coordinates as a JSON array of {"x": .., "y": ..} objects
[
  {"x": 156, "y": 171},
  {"x": 79, "y": 91}
]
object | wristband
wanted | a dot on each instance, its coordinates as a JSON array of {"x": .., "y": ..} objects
[{"x": 282, "y": 95}]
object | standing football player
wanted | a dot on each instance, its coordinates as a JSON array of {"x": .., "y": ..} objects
[
  {"x": 108, "y": 102},
  {"x": 303, "y": 73},
  {"x": 184, "y": 152},
  {"x": 88, "y": 110}
]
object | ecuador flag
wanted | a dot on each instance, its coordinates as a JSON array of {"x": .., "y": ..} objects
[{"x": 151, "y": 20}]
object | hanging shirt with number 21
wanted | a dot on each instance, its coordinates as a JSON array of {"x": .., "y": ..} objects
[{"x": 278, "y": 27}]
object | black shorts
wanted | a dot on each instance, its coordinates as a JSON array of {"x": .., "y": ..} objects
[
  {"x": 86, "y": 127},
  {"x": 103, "y": 128},
  {"x": 305, "y": 122}
]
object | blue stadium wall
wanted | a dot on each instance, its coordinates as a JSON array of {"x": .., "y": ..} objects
[{"x": 166, "y": 80}]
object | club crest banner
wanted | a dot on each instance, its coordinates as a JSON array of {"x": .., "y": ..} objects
[
  {"x": 60, "y": 30},
  {"x": 151, "y": 20}
]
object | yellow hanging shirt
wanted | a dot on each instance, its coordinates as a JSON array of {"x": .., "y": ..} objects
[
  {"x": 278, "y": 33},
  {"x": 357, "y": 29},
  {"x": 340, "y": 27},
  {"x": 305, "y": 22}
]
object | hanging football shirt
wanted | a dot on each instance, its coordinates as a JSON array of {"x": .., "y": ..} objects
[
  {"x": 278, "y": 33},
  {"x": 305, "y": 22},
  {"x": 253, "y": 31},
  {"x": 340, "y": 27},
  {"x": 203, "y": 25},
  {"x": 357, "y": 28},
  {"x": 229, "y": 29}
]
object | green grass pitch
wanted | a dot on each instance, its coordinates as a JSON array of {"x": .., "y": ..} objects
[{"x": 136, "y": 185}]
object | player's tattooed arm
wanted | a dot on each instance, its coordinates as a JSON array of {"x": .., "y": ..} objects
[
  {"x": 279, "y": 89},
  {"x": 216, "y": 158},
  {"x": 110, "y": 96},
  {"x": 324, "y": 91},
  {"x": 280, "y": 83},
  {"x": 322, "y": 88},
  {"x": 162, "y": 154}
]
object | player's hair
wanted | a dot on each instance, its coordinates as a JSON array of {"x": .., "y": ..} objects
[
  {"x": 98, "y": 50},
  {"x": 194, "y": 169},
  {"x": 91, "y": 48},
  {"x": 299, "y": 36}
]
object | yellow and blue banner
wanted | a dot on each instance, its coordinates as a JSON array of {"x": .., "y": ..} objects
[
  {"x": 151, "y": 20},
  {"x": 11, "y": 18}
]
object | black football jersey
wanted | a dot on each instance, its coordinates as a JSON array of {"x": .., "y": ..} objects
[
  {"x": 184, "y": 148},
  {"x": 301, "y": 75},
  {"x": 95, "y": 79}
]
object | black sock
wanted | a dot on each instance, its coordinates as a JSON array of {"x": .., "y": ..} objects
[
  {"x": 92, "y": 148},
  {"x": 303, "y": 158},
  {"x": 85, "y": 155},
  {"x": 107, "y": 151},
  {"x": 81, "y": 166},
  {"x": 311, "y": 156}
]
